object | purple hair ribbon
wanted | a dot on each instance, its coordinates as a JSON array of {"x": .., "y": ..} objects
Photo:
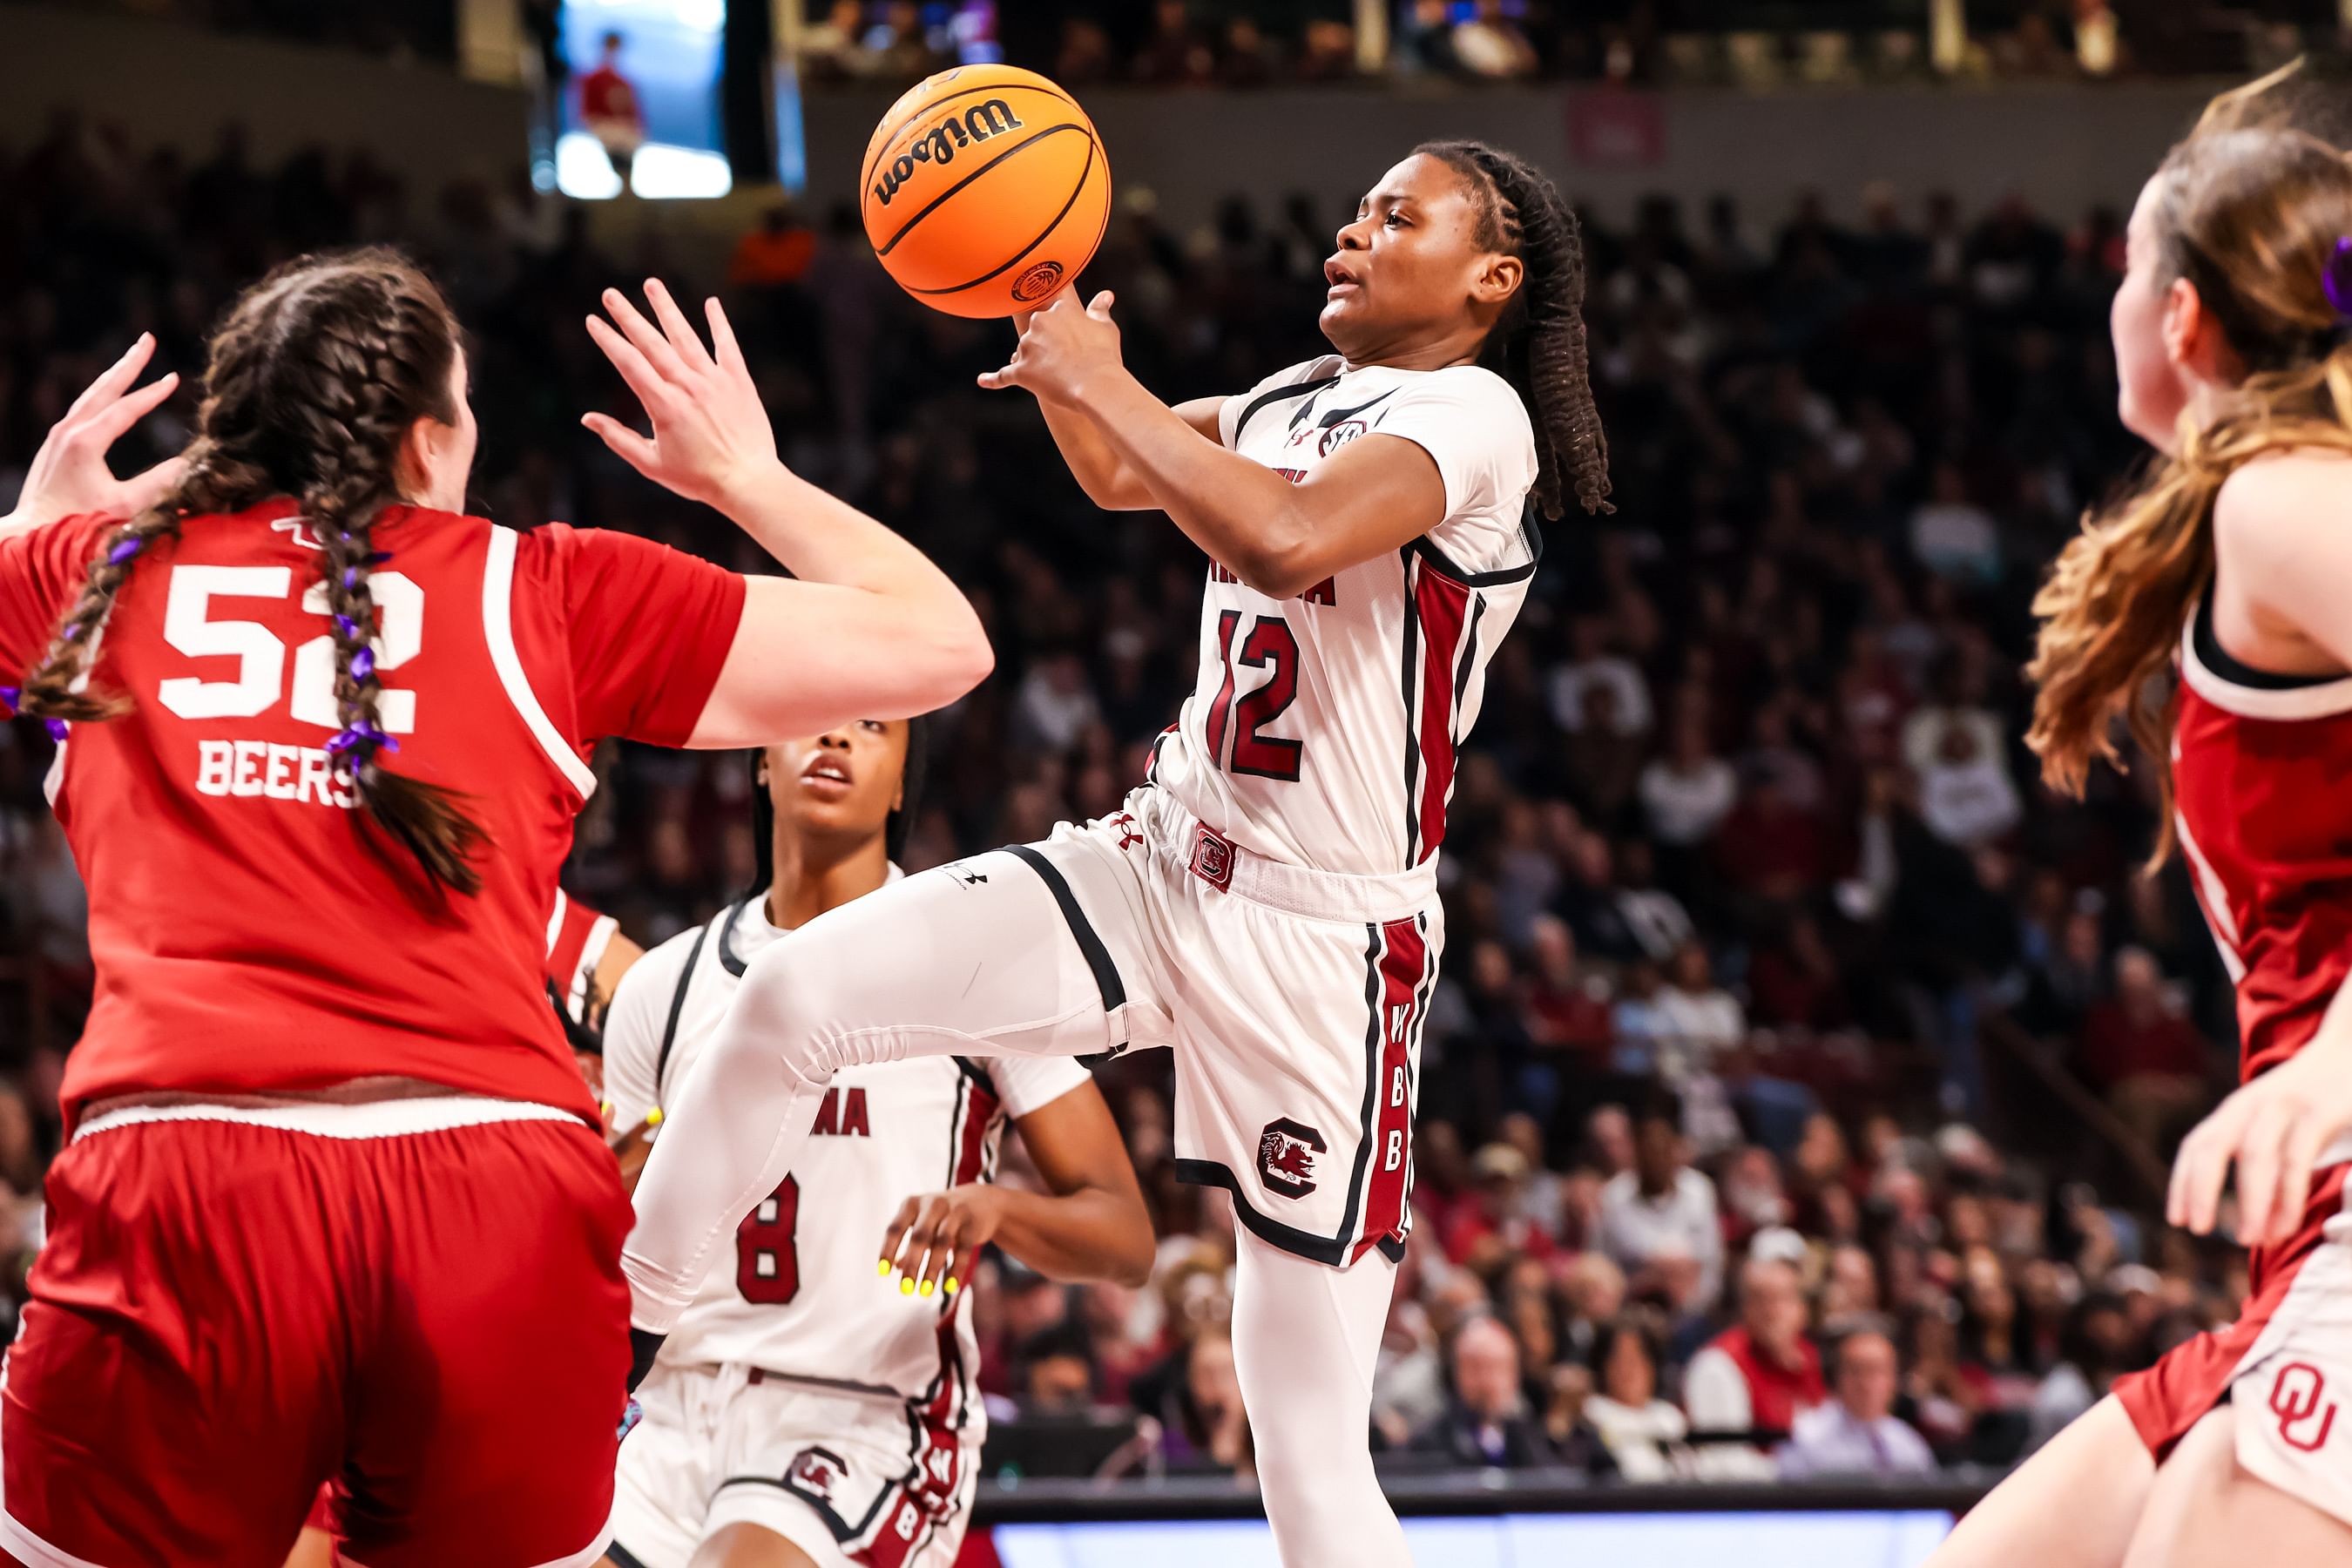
[
  {"x": 14, "y": 696},
  {"x": 2337, "y": 277},
  {"x": 58, "y": 728},
  {"x": 125, "y": 551},
  {"x": 362, "y": 664},
  {"x": 348, "y": 627}
]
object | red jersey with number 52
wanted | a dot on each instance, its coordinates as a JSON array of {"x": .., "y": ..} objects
[
  {"x": 2260, "y": 766},
  {"x": 253, "y": 930}
]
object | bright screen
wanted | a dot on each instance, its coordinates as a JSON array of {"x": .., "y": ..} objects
[
  {"x": 652, "y": 107},
  {"x": 1795, "y": 1539}
]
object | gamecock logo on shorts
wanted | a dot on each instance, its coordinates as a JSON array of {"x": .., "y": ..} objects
[
  {"x": 1339, "y": 436},
  {"x": 1285, "y": 1157},
  {"x": 2298, "y": 1397},
  {"x": 815, "y": 1473},
  {"x": 1037, "y": 282}
]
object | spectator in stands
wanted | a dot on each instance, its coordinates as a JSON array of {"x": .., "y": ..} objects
[
  {"x": 2147, "y": 1059},
  {"x": 775, "y": 254},
  {"x": 1662, "y": 1210},
  {"x": 1496, "y": 1223},
  {"x": 1642, "y": 1433},
  {"x": 1856, "y": 1432},
  {"x": 1687, "y": 793},
  {"x": 1754, "y": 1379},
  {"x": 610, "y": 109},
  {"x": 1487, "y": 1424},
  {"x": 1056, "y": 1370},
  {"x": 1489, "y": 44},
  {"x": 1210, "y": 1430},
  {"x": 1177, "y": 53},
  {"x": 1591, "y": 665}
]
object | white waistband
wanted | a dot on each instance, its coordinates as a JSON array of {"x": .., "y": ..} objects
[
  {"x": 1293, "y": 889},
  {"x": 368, "y": 1119}
]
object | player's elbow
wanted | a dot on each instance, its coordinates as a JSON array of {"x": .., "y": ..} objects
[
  {"x": 1133, "y": 1265},
  {"x": 1280, "y": 569},
  {"x": 957, "y": 656}
]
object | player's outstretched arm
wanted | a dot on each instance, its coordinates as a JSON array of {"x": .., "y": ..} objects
[
  {"x": 868, "y": 627},
  {"x": 1108, "y": 482},
  {"x": 68, "y": 475},
  {"x": 1092, "y": 1226},
  {"x": 1377, "y": 495}
]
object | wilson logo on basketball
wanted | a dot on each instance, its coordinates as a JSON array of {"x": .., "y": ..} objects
[
  {"x": 2299, "y": 1396},
  {"x": 1038, "y": 281},
  {"x": 1285, "y": 1157},
  {"x": 942, "y": 141}
]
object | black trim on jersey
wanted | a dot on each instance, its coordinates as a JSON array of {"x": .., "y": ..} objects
[
  {"x": 1107, "y": 980},
  {"x": 621, "y": 1555},
  {"x": 1411, "y": 730},
  {"x": 1368, "y": 1119},
  {"x": 677, "y": 1007},
  {"x": 1273, "y": 1232},
  {"x": 1336, "y": 416},
  {"x": 1428, "y": 551},
  {"x": 1469, "y": 662},
  {"x": 1275, "y": 395},
  {"x": 2213, "y": 657},
  {"x": 729, "y": 959}
]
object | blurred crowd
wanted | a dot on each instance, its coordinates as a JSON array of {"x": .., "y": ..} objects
[
  {"x": 1251, "y": 43},
  {"x": 1792, "y": 1097}
]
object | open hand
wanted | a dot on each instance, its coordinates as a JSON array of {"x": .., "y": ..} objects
[
  {"x": 1062, "y": 349},
  {"x": 711, "y": 436},
  {"x": 68, "y": 475},
  {"x": 935, "y": 1240},
  {"x": 2272, "y": 1131}
]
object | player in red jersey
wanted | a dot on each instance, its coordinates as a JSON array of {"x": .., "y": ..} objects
[
  {"x": 334, "y": 1202},
  {"x": 586, "y": 956},
  {"x": 2234, "y": 341}
]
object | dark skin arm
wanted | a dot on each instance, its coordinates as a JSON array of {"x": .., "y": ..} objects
[
  {"x": 1377, "y": 495},
  {"x": 1092, "y": 1225}
]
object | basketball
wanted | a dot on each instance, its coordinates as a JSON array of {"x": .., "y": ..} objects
[{"x": 984, "y": 190}]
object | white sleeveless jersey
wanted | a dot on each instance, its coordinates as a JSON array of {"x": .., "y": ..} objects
[
  {"x": 1322, "y": 729},
  {"x": 800, "y": 1298}
]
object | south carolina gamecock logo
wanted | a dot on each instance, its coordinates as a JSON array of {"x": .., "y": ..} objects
[
  {"x": 1285, "y": 1157},
  {"x": 1037, "y": 282},
  {"x": 816, "y": 1472},
  {"x": 2298, "y": 1397}
]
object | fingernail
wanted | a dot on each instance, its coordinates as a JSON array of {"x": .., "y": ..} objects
[
  {"x": 953, "y": 1287},
  {"x": 882, "y": 1269},
  {"x": 929, "y": 1288},
  {"x": 653, "y": 1116},
  {"x": 605, "y": 1106},
  {"x": 906, "y": 1287}
]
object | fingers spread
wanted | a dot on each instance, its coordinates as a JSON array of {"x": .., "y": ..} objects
[
  {"x": 722, "y": 338},
  {"x": 648, "y": 338},
  {"x": 677, "y": 327},
  {"x": 116, "y": 377},
  {"x": 642, "y": 379},
  {"x": 633, "y": 448},
  {"x": 109, "y": 426}
]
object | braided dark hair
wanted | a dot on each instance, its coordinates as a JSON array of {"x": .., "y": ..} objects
[
  {"x": 1539, "y": 342},
  {"x": 314, "y": 379}
]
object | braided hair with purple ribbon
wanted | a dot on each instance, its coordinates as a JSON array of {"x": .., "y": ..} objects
[{"x": 314, "y": 379}]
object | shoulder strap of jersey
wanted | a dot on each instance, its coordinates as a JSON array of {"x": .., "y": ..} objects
[{"x": 677, "y": 1005}]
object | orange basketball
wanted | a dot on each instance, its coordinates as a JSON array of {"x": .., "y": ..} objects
[{"x": 984, "y": 190}]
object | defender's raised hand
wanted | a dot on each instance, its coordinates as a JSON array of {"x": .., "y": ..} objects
[{"x": 710, "y": 437}]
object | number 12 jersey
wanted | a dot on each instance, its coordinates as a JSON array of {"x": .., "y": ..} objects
[{"x": 1322, "y": 730}]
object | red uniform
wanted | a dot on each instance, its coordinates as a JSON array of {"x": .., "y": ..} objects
[
  {"x": 420, "y": 1295},
  {"x": 576, "y": 940},
  {"x": 2260, "y": 764}
]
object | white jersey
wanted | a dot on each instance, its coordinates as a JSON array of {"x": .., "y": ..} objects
[
  {"x": 801, "y": 1299},
  {"x": 1322, "y": 729}
]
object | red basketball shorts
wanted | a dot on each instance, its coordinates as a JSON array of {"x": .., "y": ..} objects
[
  {"x": 227, "y": 1314},
  {"x": 2284, "y": 1366}
]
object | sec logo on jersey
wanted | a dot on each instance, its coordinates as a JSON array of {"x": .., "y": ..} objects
[{"x": 1339, "y": 436}]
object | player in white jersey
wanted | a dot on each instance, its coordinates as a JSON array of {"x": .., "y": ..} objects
[
  {"x": 808, "y": 1409},
  {"x": 1267, "y": 905}
]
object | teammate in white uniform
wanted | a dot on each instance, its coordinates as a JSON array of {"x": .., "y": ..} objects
[
  {"x": 1267, "y": 903},
  {"x": 806, "y": 1410}
]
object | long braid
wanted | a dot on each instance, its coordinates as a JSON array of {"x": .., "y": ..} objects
[
  {"x": 1541, "y": 339},
  {"x": 314, "y": 380}
]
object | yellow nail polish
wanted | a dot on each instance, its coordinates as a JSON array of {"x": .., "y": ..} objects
[
  {"x": 606, "y": 1105},
  {"x": 653, "y": 1117},
  {"x": 928, "y": 1287},
  {"x": 906, "y": 1287},
  {"x": 953, "y": 1287},
  {"x": 882, "y": 1269}
]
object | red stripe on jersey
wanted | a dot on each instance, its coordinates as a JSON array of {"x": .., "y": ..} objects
[
  {"x": 1405, "y": 956},
  {"x": 1442, "y": 605},
  {"x": 980, "y": 1104},
  {"x": 1226, "y": 621}
]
